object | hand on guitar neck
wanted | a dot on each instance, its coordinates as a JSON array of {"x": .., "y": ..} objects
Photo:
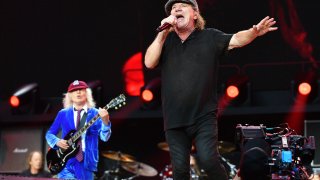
[{"x": 104, "y": 114}]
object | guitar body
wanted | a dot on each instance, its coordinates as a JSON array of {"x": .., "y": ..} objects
[{"x": 57, "y": 158}]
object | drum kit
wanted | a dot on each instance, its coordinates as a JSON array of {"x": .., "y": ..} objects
[
  {"x": 196, "y": 172},
  {"x": 127, "y": 163},
  {"x": 127, "y": 167}
]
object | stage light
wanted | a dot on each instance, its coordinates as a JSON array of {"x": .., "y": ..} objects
[
  {"x": 151, "y": 94},
  {"x": 14, "y": 101},
  {"x": 232, "y": 91},
  {"x": 147, "y": 95},
  {"x": 305, "y": 87},
  {"x": 25, "y": 100},
  {"x": 133, "y": 74},
  {"x": 237, "y": 90}
]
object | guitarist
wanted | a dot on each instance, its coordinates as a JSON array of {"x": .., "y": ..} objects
[{"x": 84, "y": 163}]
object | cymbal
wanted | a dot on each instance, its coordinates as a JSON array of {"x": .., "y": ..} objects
[
  {"x": 164, "y": 146},
  {"x": 118, "y": 156},
  {"x": 139, "y": 169},
  {"x": 225, "y": 147}
]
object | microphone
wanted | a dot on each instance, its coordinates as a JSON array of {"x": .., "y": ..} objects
[{"x": 163, "y": 27}]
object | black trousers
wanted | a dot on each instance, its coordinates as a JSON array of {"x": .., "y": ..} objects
[{"x": 205, "y": 135}]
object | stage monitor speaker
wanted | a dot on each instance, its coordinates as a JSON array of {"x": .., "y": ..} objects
[
  {"x": 15, "y": 146},
  {"x": 312, "y": 128}
]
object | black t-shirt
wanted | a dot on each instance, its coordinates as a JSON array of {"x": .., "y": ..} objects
[
  {"x": 189, "y": 75},
  {"x": 43, "y": 173}
]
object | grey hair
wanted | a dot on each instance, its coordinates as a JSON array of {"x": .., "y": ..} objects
[{"x": 67, "y": 101}]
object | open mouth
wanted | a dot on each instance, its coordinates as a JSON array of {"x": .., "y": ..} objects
[{"x": 179, "y": 17}]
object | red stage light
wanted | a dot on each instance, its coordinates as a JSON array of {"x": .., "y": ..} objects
[
  {"x": 14, "y": 101},
  {"x": 133, "y": 74},
  {"x": 232, "y": 91},
  {"x": 147, "y": 95},
  {"x": 26, "y": 100},
  {"x": 304, "y": 88}
]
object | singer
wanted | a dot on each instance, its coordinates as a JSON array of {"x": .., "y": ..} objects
[{"x": 188, "y": 55}]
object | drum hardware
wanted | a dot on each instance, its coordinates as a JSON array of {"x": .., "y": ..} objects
[
  {"x": 225, "y": 147},
  {"x": 139, "y": 169},
  {"x": 129, "y": 164},
  {"x": 115, "y": 173},
  {"x": 196, "y": 172},
  {"x": 164, "y": 146},
  {"x": 118, "y": 156},
  {"x": 233, "y": 170},
  {"x": 167, "y": 174}
]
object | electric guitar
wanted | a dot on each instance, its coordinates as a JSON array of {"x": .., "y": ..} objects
[{"x": 57, "y": 158}]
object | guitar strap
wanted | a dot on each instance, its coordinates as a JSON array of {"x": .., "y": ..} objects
[{"x": 82, "y": 121}]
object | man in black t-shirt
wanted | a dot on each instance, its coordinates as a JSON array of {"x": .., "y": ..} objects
[
  {"x": 35, "y": 166},
  {"x": 188, "y": 55}
]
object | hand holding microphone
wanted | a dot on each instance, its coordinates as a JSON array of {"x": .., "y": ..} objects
[
  {"x": 167, "y": 23},
  {"x": 163, "y": 27}
]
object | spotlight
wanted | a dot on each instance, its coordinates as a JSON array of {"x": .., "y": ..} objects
[
  {"x": 305, "y": 87},
  {"x": 25, "y": 100},
  {"x": 147, "y": 95},
  {"x": 237, "y": 90},
  {"x": 232, "y": 91},
  {"x": 151, "y": 94}
]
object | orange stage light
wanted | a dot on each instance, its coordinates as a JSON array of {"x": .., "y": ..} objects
[
  {"x": 147, "y": 95},
  {"x": 304, "y": 88},
  {"x": 14, "y": 101},
  {"x": 232, "y": 91}
]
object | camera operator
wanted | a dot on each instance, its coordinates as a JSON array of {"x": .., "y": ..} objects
[{"x": 254, "y": 161}]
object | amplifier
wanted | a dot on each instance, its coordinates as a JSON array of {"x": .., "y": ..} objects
[
  {"x": 312, "y": 128},
  {"x": 247, "y": 132}
]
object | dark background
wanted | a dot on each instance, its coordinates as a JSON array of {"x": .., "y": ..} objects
[{"x": 53, "y": 43}]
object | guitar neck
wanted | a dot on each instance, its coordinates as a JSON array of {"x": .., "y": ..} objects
[{"x": 78, "y": 134}]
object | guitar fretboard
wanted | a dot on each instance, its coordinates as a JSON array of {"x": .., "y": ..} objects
[{"x": 83, "y": 129}]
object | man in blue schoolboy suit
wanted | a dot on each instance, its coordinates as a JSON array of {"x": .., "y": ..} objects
[{"x": 78, "y": 102}]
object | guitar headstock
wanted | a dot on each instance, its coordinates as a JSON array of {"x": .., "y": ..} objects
[{"x": 117, "y": 102}]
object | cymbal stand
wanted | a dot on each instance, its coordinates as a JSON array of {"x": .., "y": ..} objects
[
  {"x": 132, "y": 177},
  {"x": 233, "y": 170},
  {"x": 116, "y": 169},
  {"x": 136, "y": 174}
]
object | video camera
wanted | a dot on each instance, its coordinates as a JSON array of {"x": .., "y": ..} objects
[{"x": 290, "y": 155}]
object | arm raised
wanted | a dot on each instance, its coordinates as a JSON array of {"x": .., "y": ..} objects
[{"x": 245, "y": 37}]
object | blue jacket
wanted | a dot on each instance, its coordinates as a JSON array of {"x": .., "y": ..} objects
[{"x": 64, "y": 122}]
